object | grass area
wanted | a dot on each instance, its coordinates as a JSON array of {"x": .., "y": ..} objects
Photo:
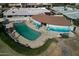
[
  {"x": 6, "y": 50},
  {"x": 22, "y": 49}
]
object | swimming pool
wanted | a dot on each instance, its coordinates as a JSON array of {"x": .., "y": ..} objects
[
  {"x": 36, "y": 23},
  {"x": 26, "y": 32},
  {"x": 59, "y": 28}
]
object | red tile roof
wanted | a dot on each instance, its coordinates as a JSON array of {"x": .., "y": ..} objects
[{"x": 55, "y": 20}]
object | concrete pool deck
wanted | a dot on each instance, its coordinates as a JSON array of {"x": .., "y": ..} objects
[{"x": 40, "y": 40}]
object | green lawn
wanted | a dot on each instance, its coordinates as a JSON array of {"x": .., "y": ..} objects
[
  {"x": 6, "y": 50},
  {"x": 20, "y": 49}
]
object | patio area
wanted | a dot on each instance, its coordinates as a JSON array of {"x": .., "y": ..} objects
[{"x": 40, "y": 41}]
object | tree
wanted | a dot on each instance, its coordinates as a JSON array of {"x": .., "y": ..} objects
[{"x": 76, "y": 22}]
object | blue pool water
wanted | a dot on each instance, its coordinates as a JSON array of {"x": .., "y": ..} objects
[
  {"x": 36, "y": 23},
  {"x": 60, "y": 28},
  {"x": 26, "y": 32}
]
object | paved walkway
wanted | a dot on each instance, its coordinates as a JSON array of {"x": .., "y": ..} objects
[
  {"x": 58, "y": 49},
  {"x": 53, "y": 50},
  {"x": 66, "y": 50}
]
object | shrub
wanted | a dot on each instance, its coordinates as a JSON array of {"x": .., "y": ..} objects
[
  {"x": 76, "y": 22},
  {"x": 53, "y": 40}
]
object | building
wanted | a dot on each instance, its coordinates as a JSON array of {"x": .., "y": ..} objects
[
  {"x": 53, "y": 23},
  {"x": 36, "y": 5}
]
